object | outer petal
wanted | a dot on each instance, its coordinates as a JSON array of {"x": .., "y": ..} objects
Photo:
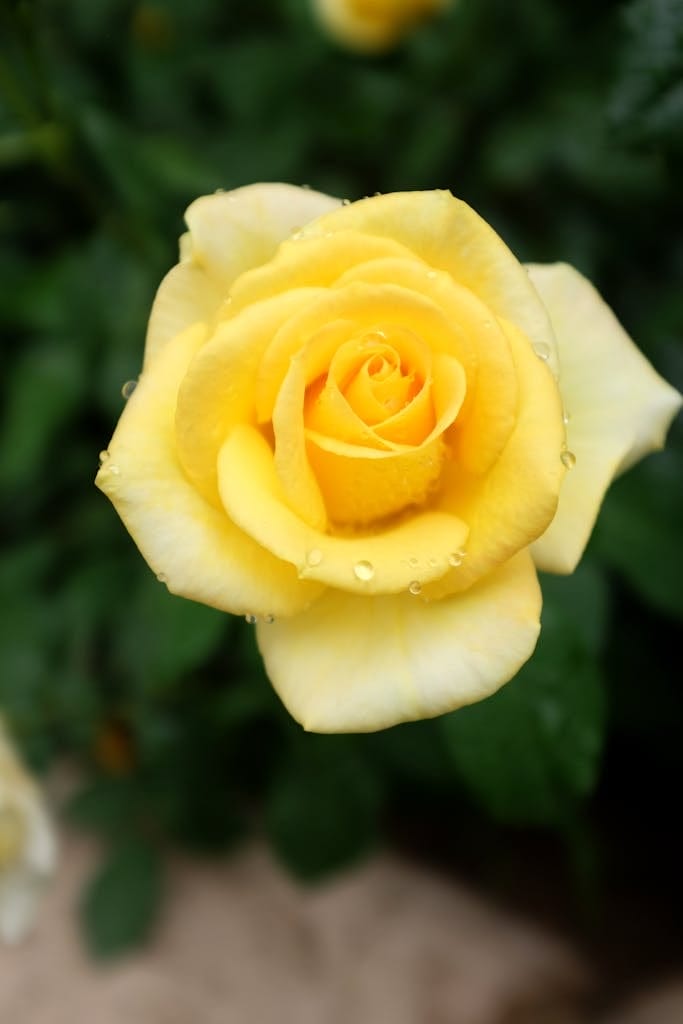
[
  {"x": 185, "y": 297},
  {"x": 354, "y": 664},
  {"x": 619, "y": 408},
  {"x": 183, "y": 537},
  {"x": 234, "y": 231}
]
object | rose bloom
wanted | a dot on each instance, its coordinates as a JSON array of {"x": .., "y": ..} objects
[
  {"x": 374, "y": 25},
  {"x": 365, "y": 426},
  {"x": 28, "y": 850}
]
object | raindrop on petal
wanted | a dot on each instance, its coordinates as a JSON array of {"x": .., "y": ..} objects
[
  {"x": 128, "y": 388},
  {"x": 364, "y": 570},
  {"x": 415, "y": 588},
  {"x": 567, "y": 458}
]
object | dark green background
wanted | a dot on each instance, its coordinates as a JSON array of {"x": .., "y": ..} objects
[{"x": 562, "y": 124}]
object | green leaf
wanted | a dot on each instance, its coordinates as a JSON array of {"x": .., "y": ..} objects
[
  {"x": 44, "y": 388},
  {"x": 639, "y": 530},
  {"x": 531, "y": 751},
  {"x": 322, "y": 809},
  {"x": 106, "y": 806},
  {"x": 160, "y": 637},
  {"x": 120, "y": 903}
]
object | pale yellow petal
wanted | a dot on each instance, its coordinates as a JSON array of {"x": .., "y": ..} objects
[
  {"x": 234, "y": 231},
  {"x": 188, "y": 542},
  {"x": 364, "y": 563},
  {"x": 353, "y": 664},
  {"x": 186, "y": 296},
  {"x": 448, "y": 235},
  {"x": 619, "y": 408}
]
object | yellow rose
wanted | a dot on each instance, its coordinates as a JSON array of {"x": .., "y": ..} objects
[
  {"x": 374, "y": 25},
  {"x": 349, "y": 422}
]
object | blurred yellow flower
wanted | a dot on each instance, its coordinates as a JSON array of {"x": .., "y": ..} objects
[
  {"x": 374, "y": 25},
  {"x": 364, "y": 426},
  {"x": 28, "y": 849}
]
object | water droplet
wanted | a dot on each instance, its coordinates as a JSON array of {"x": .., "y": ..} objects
[
  {"x": 566, "y": 416},
  {"x": 413, "y": 562},
  {"x": 297, "y": 233},
  {"x": 128, "y": 388},
  {"x": 307, "y": 187},
  {"x": 219, "y": 192},
  {"x": 456, "y": 557},
  {"x": 433, "y": 562},
  {"x": 415, "y": 588},
  {"x": 162, "y": 577},
  {"x": 542, "y": 350},
  {"x": 364, "y": 570},
  {"x": 251, "y": 619},
  {"x": 269, "y": 619},
  {"x": 346, "y": 202},
  {"x": 568, "y": 458},
  {"x": 115, "y": 470},
  {"x": 103, "y": 456},
  {"x": 314, "y": 557}
]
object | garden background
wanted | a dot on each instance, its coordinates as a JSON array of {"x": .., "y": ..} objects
[{"x": 562, "y": 124}]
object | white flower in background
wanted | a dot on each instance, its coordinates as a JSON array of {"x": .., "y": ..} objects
[{"x": 28, "y": 849}]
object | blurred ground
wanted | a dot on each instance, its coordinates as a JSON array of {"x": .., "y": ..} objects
[{"x": 240, "y": 941}]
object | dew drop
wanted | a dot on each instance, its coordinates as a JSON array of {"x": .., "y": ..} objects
[
  {"x": 364, "y": 571},
  {"x": 413, "y": 563},
  {"x": 307, "y": 187},
  {"x": 456, "y": 557},
  {"x": 567, "y": 458},
  {"x": 269, "y": 619},
  {"x": 542, "y": 350},
  {"x": 251, "y": 619},
  {"x": 297, "y": 233},
  {"x": 219, "y": 192},
  {"x": 162, "y": 577},
  {"x": 415, "y": 588},
  {"x": 314, "y": 557},
  {"x": 103, "y": 456},
  {"x": 115, "y": 470},
  {"x": 346, "y": 202},
  {"x": 128, "y": 388},
  {"x": 566, "y": 416}
]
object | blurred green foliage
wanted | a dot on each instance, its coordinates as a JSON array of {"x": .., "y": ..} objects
[{"x": 562, "y": 124}]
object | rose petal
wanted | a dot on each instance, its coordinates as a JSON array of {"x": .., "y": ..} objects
[
  {"x": 314, "y": 262},
  {"x": 387, "y": 562},
  {"x": 514, "y": 503},
  {"x": 361, "y": 485},
  {"x": 218, "y": 388},
  {"x": 475, "y": 338},
  {"x": 183, "y": 537},
  {"x": 355, "y": 664},
  {"x": 234, "y": 231},
  {"x": 185, "y": 297},
  {"x": 619, "y": 408},
  {"x": 448, "y": 235}
]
